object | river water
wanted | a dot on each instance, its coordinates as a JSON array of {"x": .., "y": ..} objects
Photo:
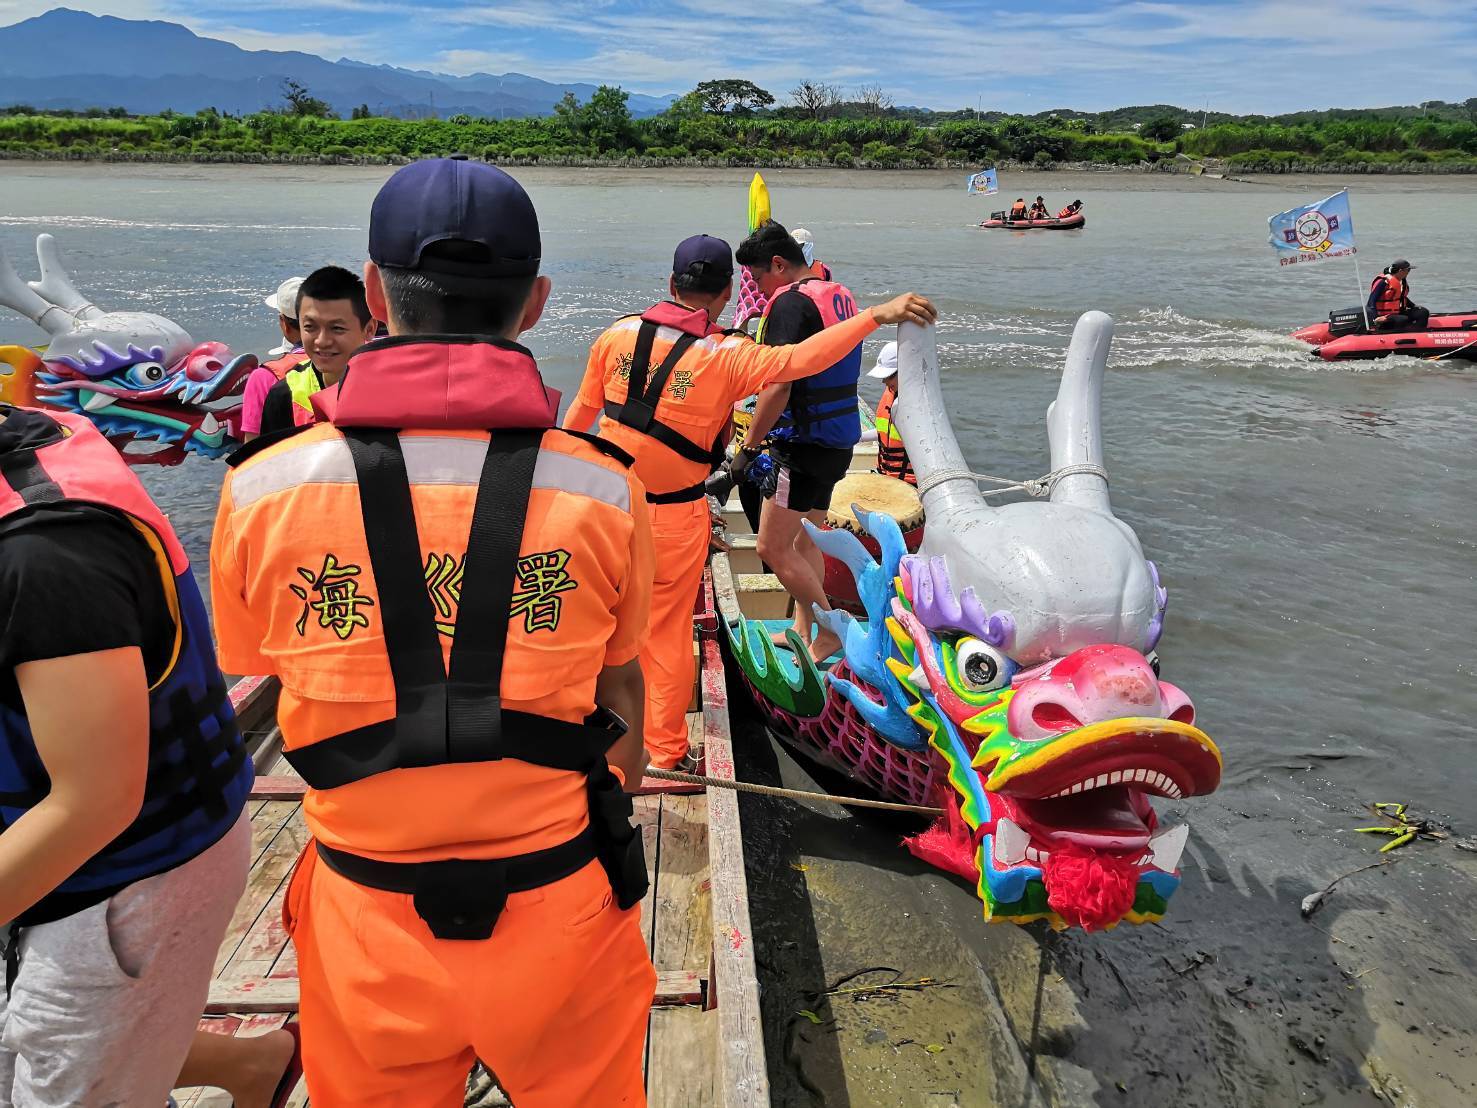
[{"x": 1314, "y": 523}]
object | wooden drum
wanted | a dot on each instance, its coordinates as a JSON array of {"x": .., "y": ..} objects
[{"x": 872, "y": 492}]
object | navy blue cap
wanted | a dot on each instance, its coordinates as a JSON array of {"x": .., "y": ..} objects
[
  {"x": 701, "y": 255},
  {"x": 453, "y": 199}
]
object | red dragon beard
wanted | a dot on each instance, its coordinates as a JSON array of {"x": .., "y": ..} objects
[{"x": 1089, "y": 890}]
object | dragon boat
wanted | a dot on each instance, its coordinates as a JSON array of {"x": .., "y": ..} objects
[
  {"x": 1005, "y": 673},
  {"x": 156, "y": 393}
]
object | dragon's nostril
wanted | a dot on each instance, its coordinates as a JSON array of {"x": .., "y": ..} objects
[
  {"x": 1050, "y": 716},
  {"x": 1185, "y": 713}
]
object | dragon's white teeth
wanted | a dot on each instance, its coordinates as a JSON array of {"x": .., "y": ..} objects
[
  {"x": 209, "y": 425},
  {"x": 1115, "y": 777},
  {"x": 1037, "y": 856},
  {"x": 1139, "y": 775},
  {"x": 95, "y": 401},
  {"x": 144, "y": 446},
  {"x": 1011, "y": 842},
  {"x": 918, "y": 678},
  {"x": 1167, "y": 846}
]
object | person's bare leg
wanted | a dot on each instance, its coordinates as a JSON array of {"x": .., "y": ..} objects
[
  {"x": 778, "y": 529},
  {"x": 250, "y": 1069},
  {"x": 824, "y": 643}
]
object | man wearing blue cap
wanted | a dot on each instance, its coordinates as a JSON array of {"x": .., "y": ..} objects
[
  {"x": 664, "y": 383},
  {"x": 454, "y": 594}
]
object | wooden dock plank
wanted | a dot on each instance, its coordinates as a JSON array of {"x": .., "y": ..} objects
[
  {"x": 682, "y": 1044},
  {"x": 682, "y": 935}
]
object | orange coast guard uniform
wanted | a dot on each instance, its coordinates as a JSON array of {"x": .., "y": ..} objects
[
  {"x": 892, "y": 456},
  {"x": 667, "y": 381},
  {"x": 439, "y": 602}
]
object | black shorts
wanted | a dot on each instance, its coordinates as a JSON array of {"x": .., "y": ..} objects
[{"x": 808, "y": 474}]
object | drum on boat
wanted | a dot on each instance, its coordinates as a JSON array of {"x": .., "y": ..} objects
[{"x": 872, "y": 492}]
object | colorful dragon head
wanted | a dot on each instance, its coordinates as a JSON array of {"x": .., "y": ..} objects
[
  {"x": 139, "y": 377},
  {"x": 1033, "y": 690}
]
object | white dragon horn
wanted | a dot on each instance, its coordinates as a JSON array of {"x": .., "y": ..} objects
[
  {"x": 1074, "y": 422},
  {"x": 19, "y": 296},
  {"x": 56, "y": 286},
  {"x": 923, "y": 419}
]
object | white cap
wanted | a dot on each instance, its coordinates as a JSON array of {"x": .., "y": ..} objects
[
  {"x": 886, "y": 363},
  {"x": 284, "y": 300},
  {"x": 807, "y": 243}
]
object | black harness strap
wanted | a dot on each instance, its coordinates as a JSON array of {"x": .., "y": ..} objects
[
  {"x": 23, "y": 472},
  {"x": 443, "y": 718},
  {"x": 639, "y": 410}
]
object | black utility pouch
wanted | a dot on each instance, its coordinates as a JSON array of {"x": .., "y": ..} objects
[
  {"x": 461, "y": 899},
  {"x": 617, "y": 844}
]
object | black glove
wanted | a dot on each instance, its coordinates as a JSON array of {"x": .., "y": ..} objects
[{"x": 741, "y": 461}]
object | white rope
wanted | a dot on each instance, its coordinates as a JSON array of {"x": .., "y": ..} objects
[{"x": 1039, "y": 486}]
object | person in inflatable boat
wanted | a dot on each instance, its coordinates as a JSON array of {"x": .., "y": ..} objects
[
  {"x": 1389, "y": 305},
  {"x": 1038, "y": 209},
  {"x": 1070, "y": 210},
  {"x": 1018, "y": 209}
]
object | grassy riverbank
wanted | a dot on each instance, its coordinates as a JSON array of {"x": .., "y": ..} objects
[{"x": 602, "y": 132}]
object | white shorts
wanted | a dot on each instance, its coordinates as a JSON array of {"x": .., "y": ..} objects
[{"x": 107, "y": 1000}]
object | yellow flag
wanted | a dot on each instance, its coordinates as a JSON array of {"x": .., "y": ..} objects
[{"x": 758, "y": 203}]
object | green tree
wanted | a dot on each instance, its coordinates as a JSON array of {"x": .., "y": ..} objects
[
  {"x": 302, "y": 102},
  {"x": 361, "y": 112},
  {"x": 1162, "y": 128},
  {"x": 726, "y": 95}
]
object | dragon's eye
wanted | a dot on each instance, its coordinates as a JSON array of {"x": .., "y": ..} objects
[
  {"x": 982, "y": 667},
  {"x": 145, "y": 373},
  {"x": 1153, "y": 660}
]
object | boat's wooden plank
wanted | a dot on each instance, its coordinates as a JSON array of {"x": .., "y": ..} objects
[
  {"x": 270, "y": 787},
  {"x": 266, "y": 877},
  {"x": 682, "y": 935},
  {"x": 743, "y": 1079},
  {"x": 245, "y": 995},
  {"x": 264, "y": 941},
  {"x": 646, "y": 816},
  {"x": 682, "y": 1047}
]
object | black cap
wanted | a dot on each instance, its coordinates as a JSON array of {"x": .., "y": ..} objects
[
  {"x": 1400, "y": 263},
  {"x": 701, "y": 256},
  {"x": 455, "y": 200}
]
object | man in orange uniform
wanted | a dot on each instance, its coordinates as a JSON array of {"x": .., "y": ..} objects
[
  {"x": 454, "y": 594},
  {"x": 686, "y": 375}
]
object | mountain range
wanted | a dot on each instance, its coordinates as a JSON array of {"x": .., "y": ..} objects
[{"x": 72, "y": 59}]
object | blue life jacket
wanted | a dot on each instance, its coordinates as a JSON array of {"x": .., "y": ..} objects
[
  {"x": 823, "y": 408},
  {"x": 199, "y": 775}
]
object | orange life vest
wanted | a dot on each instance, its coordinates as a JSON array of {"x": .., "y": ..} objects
[
  {"x": 892, "y": 458},
  {"x": 439, "y": 602},
  {"x": 1392, "y": 298},
  {"x": 1067, "y": 211},
  {"x": 284, "y": 365},
  {"x": 1018, "y": 210}
]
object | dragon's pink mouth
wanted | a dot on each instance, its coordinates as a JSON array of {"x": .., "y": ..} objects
[{"x": 1114, "y": 818}]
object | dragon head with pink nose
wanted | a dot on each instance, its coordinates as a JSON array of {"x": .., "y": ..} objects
[
  {"x": 147, "y": 385},
  {"x": 1007, "y": 672}
]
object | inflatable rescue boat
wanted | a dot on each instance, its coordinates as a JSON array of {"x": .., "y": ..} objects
[
  {"x": 1343, "y": 336},
  {"x": 1058, "y": 223}
]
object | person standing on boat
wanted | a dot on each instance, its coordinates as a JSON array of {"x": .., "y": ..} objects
[
  {"x": 1389, "y": 307},
  {"x": 124, "y": 844},
  {"x": 279, "y": 360},
  {"x": 813, "y": 425},
  {"x": 892, "y": 456},
  {"x": 687, "y": 374},
  {"x": 454, "y": 594},
  {"x": 335, "y": 321}
]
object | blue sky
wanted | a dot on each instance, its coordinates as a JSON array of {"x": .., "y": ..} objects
[{"x": 1239, "y": 57}]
